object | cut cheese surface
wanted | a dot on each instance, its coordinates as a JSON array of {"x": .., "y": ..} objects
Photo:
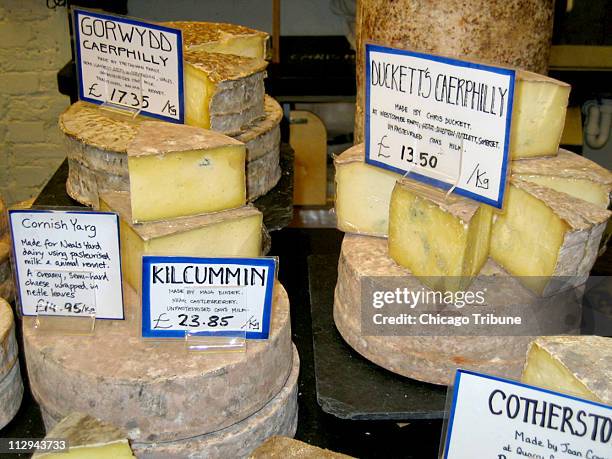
[
  {"x": 223, "y": 92},
  {"x": 538, "y": 115},
  {"x": 543, "y": 234},
  {"x": 219, "y": 37},
  {"x": 363, "y": 193},
  {"x": 89, "y": 438},
  {"x": 231, "y": 233},
  {"x": 178, "y": 170},
  {"x": 435, "y": 236},
  {"x": 287, "y": 448},
  {"x": 576, "y": 365},
  {"x": 568, "y": 173}
]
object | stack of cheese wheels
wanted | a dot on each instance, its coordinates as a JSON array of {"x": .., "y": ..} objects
[
  {"x": 11, "y": 386},
  {"x": 170, "y": 402},
  {"x": 6, "y": 279},
  {"x": 543, "y": 242},
  {"x": 224, "y": 91}
]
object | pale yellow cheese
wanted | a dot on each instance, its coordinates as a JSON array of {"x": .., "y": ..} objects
[
  {"x": 443, "y": 240},
  {"x": 575, "y": 365},
  {"x": 231, "y": 233},
  {"x": 547, "y": 238},
  {"x": 88, "y": 438},
  {"x": 178, "y": 170},
  {"x": 218, "y": 37},
  {"x": 538, "y": 115},
  {"x": 568, "y": 173},
  {"x": 363, "y": 193}
]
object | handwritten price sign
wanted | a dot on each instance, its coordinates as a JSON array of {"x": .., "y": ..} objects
[
  {"x": 442, "y": 121},
  {"x": 129, "y": 63}
]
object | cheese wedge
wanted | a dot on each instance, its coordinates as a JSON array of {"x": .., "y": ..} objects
[
  {"x": 223, "y": 92},
  {"x": 538, "y": 115},
  {"x": 177, "y": 170},
  {"x": 575, "y": 365},
  {"x": 279, "y": 447},
  {"x": 436, "y": 236},
  {"x": 219, "y": 37},
  {"x": 231, "y": 233},
  {"x": 88, "y": 438},
  {"x": 568, "y": 173},
  {"x": 363, "y": 193},
  {"x": 547, "y": 238}
]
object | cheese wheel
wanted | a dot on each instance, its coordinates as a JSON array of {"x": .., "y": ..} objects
[
  {"x": 156, "y": 391},
  {"x": 96, "y": 142},
  {"x": 432, "y": 359},
  {"x": 277, "y": 417},
  {"x": 8, "y": 343},
  {"x": 476, "y": 29},
  {"x": 11, "y": 393}
]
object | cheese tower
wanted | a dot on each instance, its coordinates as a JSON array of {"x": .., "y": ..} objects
[
  {"x": 11, "y": 385},
  {"x": 223, "y": 92},
  {"x": 96, "y": 143},
  {"x": 546, "y": 238},
  {"x": 575, "y": 365},
  {"x": 169, "y": 401},
  {"x": 432, "y": 359},
  {"x": 568, "y": 173},
  {"x": 288, "y": 448},
  {"x": 178, "y": 170},
  {"x": 231, "y": 233},
  {"x": 88, "y": 437},
  {"x": 218, "y": 37},
  {"x": 443, "y": 240},
  {"x": 456, "y": 28},
  {"x": 363, "y": 193}
]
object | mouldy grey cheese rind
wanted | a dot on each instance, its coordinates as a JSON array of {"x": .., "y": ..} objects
[
  {"x": 88, "y": 437},
  {"x": 96, "y": 144},
  {"x": 223, "y": 92},
  {"x": 231, "y": 233},
  {"x": 277, "y": 417},
  {"x": 576, "y": 365},
  {"x": 432, "y": 359},
  {"x": 568, "y": 173},
  {"x": 177, "y": 171},
  {"x": 11, "y": 394},
  {"x": 363, "y": 193},
  {"x": 157, "y": 392},
  {"x": 549, "y": 239},
  {"x": 219, "y": 37}
]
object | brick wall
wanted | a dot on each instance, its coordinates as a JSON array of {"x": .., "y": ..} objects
[{"x": 34, "y": 45}]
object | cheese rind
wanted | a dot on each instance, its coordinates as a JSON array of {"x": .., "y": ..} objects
[
  {"x": 363, "y": 193},
  {"x": 218, "y": 37},
  {"x": 576, "y": 365},
  {"x": 8, "y": 344},
  {"x": 568, "y": 173},
  {"x": 156, "y": 392},
  {"x": 231, "y": 233},
  {"x": 547, "y": 238},
  {"x": 6, "y": 277},
  {"x": 3, "y": 218},
  {"x": 178, "y": 171},
  {"x": 11, "y": 394},
  {"x": 88, "y": 438},
  {"x": 223, "y": 92},
  {"x": 444, "y": 241}
]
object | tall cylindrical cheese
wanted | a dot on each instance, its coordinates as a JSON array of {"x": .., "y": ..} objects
[
  {"x": 277, "y": 417},
  {"x": 11, "y": 394},
  {"x": 432, "y": 359},
  {"x": 502, "y": 32},
  {"x": 157, "y": 392}
]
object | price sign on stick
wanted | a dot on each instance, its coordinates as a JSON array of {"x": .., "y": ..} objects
[
  {"x": 129, "y": 63},
  {"x": 441, "y": 121}
]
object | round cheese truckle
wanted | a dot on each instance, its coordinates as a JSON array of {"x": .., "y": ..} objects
[
  {"x": 11, "y": 385},
  {"x": 156, "y": 391}
]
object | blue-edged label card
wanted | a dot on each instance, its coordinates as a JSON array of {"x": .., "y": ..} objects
[
  {"x": 442, "y": 121},
  {"x": 67, "y": 263},
  {"x": 207, "y": 296},
  {"x": 130, "y": 63},
  {"x": 496, "y": 418}
]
